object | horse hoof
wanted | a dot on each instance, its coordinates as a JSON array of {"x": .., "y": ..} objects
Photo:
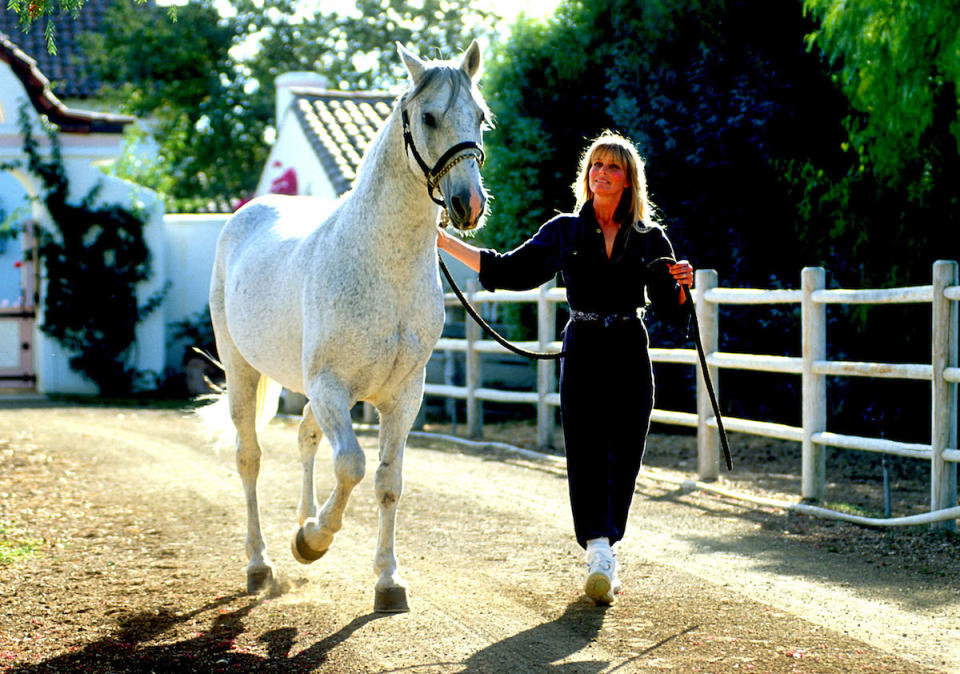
[
  {"x": 257, "y": 581},
  {"x": 391, "y": 600},
  {"x": 302, "y": 552}
]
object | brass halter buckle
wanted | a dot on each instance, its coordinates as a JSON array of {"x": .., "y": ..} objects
[{"x": 449, "y": 159}]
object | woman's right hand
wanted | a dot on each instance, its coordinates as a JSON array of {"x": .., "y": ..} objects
[{"x": 467, "y": 254}]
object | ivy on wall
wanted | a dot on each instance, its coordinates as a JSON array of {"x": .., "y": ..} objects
[{"x": 94, "y": 256}]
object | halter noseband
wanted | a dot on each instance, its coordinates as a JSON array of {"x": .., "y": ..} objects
[{"x": 466, "y": 150}]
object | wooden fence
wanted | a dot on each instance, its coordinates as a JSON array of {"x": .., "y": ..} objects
[{"x": 812, "y": 366}]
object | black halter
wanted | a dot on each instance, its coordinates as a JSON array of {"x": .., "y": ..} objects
[{"x": 466, "y": 150}]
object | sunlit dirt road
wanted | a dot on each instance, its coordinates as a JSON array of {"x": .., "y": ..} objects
[{"x": 140, "y": 566}]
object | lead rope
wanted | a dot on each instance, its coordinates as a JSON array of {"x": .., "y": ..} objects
[
  {"x": 706, "y": 380},
  {"x": 703, "y": 366},
  {"x": 500, "y": 339}
]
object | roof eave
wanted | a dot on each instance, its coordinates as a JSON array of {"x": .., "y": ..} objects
[{"x": 46, "y": 103}]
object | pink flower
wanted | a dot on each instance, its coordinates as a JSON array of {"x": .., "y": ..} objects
[
  {"x": 18, "y": 264},
  {"x": 285, "y": 183}
]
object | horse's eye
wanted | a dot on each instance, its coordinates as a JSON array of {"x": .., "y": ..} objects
[{"x": 430, "y": 120}]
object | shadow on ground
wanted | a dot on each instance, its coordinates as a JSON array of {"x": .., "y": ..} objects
[{"x": 536, "y": 649}]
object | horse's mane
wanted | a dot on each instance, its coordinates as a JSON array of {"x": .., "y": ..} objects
[
  {"x": 435, "y": 73},
  {"x": 456, "y": 77}
]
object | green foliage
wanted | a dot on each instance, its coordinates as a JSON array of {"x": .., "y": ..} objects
[
  {"x": 899, "y": 65},
  {"x": 211, "y": 109},
  {"x": 14, "y": 547},
  {"x": 180, "y": 76},
  {"x": 196, "y": 331},
  {"x": 545, "y": 86},
  {"x": 29, "y": 11},
  {"x": 356, "y": 50},
  {"x": 93, "y": 261}
]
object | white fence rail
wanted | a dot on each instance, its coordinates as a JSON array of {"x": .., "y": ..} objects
[{"x": 812, "y": 366}]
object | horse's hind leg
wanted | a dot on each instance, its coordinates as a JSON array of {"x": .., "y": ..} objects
[
  {"x": 308, "y": 439},
  {"x": 395, "y": 422},
  {"x": 242, "y": 382},
  {"x": 331, "y": 407}
]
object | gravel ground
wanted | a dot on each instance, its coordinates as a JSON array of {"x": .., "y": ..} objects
[{"x": 133, "y": 533}]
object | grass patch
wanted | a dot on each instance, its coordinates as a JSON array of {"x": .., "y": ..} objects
[{"x": 13, "y": 547}]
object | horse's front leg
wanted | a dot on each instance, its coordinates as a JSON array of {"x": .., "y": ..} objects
[
  {"x": 331, "y": 407},
  {"x": 395, "y": 422}
]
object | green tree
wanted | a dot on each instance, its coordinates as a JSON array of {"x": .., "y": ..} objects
[
  {"x": 357, "y": 50},
  {"x": 899, "y": 64},
  {"x": 206, "y": 83},
  {"x": 893, "y": 208},
  {"x": 180, "y": 78},
  {"x": 890, "y": 208},
  {"x": 545, "y": 86}
]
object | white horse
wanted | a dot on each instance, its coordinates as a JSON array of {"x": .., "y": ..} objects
[{"x": 346, "y": 306}]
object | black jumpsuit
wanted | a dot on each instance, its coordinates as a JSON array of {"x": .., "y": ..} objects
[{"x": 606, "y": 379}]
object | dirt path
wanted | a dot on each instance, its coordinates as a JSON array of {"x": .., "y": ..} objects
[{"x": 141, "y": 568}]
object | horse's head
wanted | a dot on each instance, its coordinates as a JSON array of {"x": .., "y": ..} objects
[{"x": 444, "y": 116}]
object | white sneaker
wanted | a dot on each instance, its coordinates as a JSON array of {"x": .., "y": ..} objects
[{"x": 602, "y": 582}]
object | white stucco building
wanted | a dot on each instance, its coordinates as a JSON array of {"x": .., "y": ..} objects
[{"x": 28, "y": 358}]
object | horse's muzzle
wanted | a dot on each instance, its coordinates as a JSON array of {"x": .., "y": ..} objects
[{"x": 465, "y": 208}]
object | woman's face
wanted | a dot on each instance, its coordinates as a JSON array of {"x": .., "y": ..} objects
[{"x": 608, "y": 177}]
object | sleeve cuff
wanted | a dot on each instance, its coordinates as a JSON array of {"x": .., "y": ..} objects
[{"x": 487, "y": 275}]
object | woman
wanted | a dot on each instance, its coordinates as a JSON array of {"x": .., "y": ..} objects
[{"x": 609, "y": 253}]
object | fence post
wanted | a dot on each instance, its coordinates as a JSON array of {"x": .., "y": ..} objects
[
  {"x": 943, "y": 474},
  {"x": 546, "y": 369},
  {"x": 473, "y": 376},
  {"x": 813, "y": 320},
  {"x": 708, "y": 438}
]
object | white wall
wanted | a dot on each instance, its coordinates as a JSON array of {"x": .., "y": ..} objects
[
  {"x": 190, "y": 242},
  {"x": 81, "y": 153},
  {"x": 53, "y": 369}
]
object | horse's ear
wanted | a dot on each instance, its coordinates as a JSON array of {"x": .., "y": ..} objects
[
  {"x": 471, "y": 60},
  {"x": 412, "y": 62}
]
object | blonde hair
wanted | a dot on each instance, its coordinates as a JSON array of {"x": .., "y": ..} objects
[{"x": 635, "y": 207}]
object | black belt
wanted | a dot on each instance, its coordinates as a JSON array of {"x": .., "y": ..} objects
[{"x": 606, "y": 319}]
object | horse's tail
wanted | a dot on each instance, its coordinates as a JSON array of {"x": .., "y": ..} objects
[
  {"x": 268, "y": 400},
  {"x": 214, "y": 412}
]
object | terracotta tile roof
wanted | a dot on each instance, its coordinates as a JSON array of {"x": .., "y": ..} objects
[
  {"x": 46, "y": 103},
  {"x": 67, "y": 69},
  {"x": 340, "y": 126}
]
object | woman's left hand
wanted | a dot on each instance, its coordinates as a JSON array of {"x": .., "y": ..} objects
[{"x": 682, "y": 272}]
